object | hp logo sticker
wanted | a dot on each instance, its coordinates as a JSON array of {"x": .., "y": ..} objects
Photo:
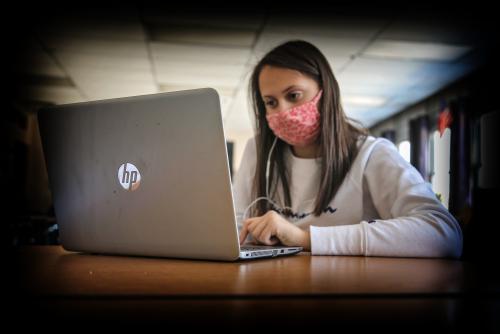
[{"x": 129, "y": 176}]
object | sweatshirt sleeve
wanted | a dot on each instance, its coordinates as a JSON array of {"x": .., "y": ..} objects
[
  {"x": 413, "y": 222},
  {"x": 242, "y": 181}
]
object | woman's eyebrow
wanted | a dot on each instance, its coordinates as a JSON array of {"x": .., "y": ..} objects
[
  {"x": 286, "y": 90},
  {"x": 289, "y": 88}
]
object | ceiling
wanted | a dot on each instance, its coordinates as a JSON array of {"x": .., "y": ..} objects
[{"x": 383, "y": 62}]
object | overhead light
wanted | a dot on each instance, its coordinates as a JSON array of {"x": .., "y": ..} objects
[
  {"x": 365, "y": 101},
  {"x": 415, "y": 50}
]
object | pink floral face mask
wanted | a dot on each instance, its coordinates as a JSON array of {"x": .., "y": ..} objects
[{"x": 298, "y": 126}]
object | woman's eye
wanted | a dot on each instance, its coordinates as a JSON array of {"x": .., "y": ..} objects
[
  {"x": 270, "y": 103},
  {"x": 295, "y": 96}
]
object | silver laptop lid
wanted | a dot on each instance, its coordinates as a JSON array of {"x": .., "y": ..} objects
[{"x": 144, "y": 175}]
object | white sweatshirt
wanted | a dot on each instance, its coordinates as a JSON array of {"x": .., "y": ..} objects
[{"x": 383, "y": 207}]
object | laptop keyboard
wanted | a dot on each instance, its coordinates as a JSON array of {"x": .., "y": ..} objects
[{"x": 257, "y": 247}]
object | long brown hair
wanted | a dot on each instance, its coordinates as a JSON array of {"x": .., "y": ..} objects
[{"x": 337, "y": 140}]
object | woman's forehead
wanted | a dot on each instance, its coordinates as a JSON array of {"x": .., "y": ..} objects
[{"x": 273, "y": 80}]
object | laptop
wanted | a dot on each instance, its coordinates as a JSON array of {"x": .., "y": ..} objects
[{"x": 145, "y": 176}]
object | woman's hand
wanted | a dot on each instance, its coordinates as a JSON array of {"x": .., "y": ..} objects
[{"x": 271, "y": 228}]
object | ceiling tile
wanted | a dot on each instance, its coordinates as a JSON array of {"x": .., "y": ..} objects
[
  {"x": 103, "y": 62},
  {"x": 237, "y": 20},
  {"x": 38, "y": 62},
  {"x": 374, "y": 71},
  {"x": 164, "y": 68},
  {"x": 92, "y": 25},
  {"x": 415, "y": 50},
  {"x": 326, "y": 25},
  {"x": 204, "y": 35},
  {"x": 200, "y": 53},
  {"x": 105, "y": 47},
  {"x": 434, "y": 29},
  {"x": 330, "y": 46},
  {"x": 98, "y": 91},
  {"x": 54, "y": 94}
]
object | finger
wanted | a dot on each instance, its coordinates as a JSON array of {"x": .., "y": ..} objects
[
  {"x": 252, "y": 225},
  {"x": 268, "y": 236},
  {"x": 244, "y": 229},
  {"x": 257, "y": 228},
  {"x": 243, "y": 233}
]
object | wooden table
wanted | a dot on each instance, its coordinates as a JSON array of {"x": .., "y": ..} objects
[{"x": 288, "y": 292}]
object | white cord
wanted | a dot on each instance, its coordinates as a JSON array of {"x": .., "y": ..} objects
[
  {"x": 268, "y": 164},
  {"x": 267, "y": 198}
]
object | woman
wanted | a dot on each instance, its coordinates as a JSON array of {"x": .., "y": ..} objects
[{"x": 312, "y": 178}]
